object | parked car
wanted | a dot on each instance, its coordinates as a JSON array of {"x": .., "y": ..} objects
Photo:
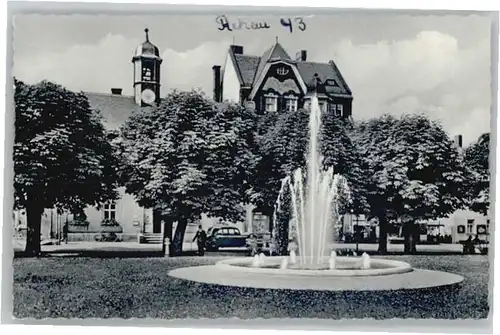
[{"x": 224, "y": 237}]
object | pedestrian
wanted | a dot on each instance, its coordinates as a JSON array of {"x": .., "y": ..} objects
[
  {"x": 200, "y": 238},
  {"x": 469, "y": 246},
  {"x": 252, "y": 244},
  {"x": 65, "y": 232}
]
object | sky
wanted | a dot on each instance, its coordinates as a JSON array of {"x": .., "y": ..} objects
[{"x": 394, "y": 63}]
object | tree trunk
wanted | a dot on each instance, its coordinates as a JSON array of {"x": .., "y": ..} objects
[
  {"x": 382, "y": 238},
  {"x": 179, "y": 236},
  {"x": 34, "y": 220},
  {"x": 410, "y": 232},
  {"x": 414, "y": 239}
]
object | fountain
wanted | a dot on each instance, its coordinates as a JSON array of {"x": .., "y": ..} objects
[
  {"x": 284, "y": 263},
  {"x": 256, "y": 261},
  {"x": 365, "y": 261},
  {"x": 293, "y": 257},
  {"x": 331, "y": 261},
  {"x": 315, "y": 198}
]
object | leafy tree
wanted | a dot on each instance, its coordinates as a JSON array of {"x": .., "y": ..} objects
[
  {"x": 477, "y": 162},
  {"x": 416, "y": 173},
  {"x": 61, "y": 155},
  {"x": 282, "y": 149},
  {"x": 189, "y": 156}
]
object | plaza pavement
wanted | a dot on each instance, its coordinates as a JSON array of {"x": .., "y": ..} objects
[{"x": 18, "y": 246}]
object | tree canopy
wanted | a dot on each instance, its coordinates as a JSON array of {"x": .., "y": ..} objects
[
  {"x": 416, "y": 172},
  {"x": 477, "y": 161},
  {"x": 188, "y": 156},
  {"x": 61, "y": 155}
]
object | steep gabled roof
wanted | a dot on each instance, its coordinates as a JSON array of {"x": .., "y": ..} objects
[
  {"x": 115, "y": 109},
  {"x": 274, "y": 53},
  {"x": 247, "y": 66},
  {"x": 249, "y": 69},
  {"x": 278, "y": 53},
  {"x": 328, "y": 73}
]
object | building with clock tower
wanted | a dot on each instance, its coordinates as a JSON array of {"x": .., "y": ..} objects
[
  {"x": 147, "y": 65},
  {"x": 115, "y": 109}
]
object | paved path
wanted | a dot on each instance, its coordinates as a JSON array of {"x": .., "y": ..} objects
[
  {"x": 18, "y": 246},
  {"x": 427, "y": 248}
]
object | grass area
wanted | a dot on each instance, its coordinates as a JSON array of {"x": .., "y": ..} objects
[{"x": 79, "y": 287}]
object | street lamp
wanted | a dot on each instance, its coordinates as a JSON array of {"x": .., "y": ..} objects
[{"x": 357, "y": 233}]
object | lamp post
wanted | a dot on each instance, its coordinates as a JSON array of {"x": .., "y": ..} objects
[{"x": 357, "y": 233}]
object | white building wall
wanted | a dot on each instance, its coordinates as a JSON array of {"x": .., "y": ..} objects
[
  {"x": 131, "y": 217},
  {"x": 460, "y": 218},
  {"x": 230, "y": 82}
]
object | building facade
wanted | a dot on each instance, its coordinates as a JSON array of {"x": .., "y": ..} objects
[
  {"x": 275, "y": 82},
  {"x": 115, "y": 109}
]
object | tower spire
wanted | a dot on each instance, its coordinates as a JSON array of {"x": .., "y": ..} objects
[
  {"x": 147, "y": 34},
  {"x": 276, "y": 39}
]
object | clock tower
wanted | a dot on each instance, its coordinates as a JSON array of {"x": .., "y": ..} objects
[{"x": 147, "y": 63}]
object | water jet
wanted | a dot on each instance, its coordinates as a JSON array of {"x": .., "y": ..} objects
[{"x": 316, "y": 197}]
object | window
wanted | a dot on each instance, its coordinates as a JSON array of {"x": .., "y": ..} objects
[
  {"x": 110, "y": 211},
  {"x": 333, "y": 109},
  {"x": 146, "y": 74},
  {"x": 307, "y": 104},
  {"x": 291, "y": 104},
  {"x": 470, "y": 223},
  {"x": 336, "y": 109},
  {"x": 322, "y": 106},
  {"x": 461, "y": 229},
  {"x": 340, "y": 110},
  {"x": 271, "y": 103}
]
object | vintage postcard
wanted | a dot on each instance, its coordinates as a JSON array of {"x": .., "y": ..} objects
[{"x": 285, "y": 163}]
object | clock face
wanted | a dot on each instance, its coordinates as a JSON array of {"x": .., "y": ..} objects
[{"x": 148, "y": 96}]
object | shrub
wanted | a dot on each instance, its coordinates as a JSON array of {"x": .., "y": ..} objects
[
  {"x": 110, "y": 223},
  {"x": 80, "y": 222}
]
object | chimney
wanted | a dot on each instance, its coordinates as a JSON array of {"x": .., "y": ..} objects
[
  {"x": 458, "y": 141},
  {"x": 301, "y": 56},
  {"x": 116, "y": 91},
  {"x": 237, "y": 49},
  {"x": 217, "y": 83}
]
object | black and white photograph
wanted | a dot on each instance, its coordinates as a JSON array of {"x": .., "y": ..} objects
[{"x": 290, "y": 164}]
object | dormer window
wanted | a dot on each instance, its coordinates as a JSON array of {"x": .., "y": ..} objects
[
  {"x": 291, "y": 103},
  {"x": 271, "y": 103}
]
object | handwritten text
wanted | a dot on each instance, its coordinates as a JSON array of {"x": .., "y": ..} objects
[{"x": 224, "y": 23}]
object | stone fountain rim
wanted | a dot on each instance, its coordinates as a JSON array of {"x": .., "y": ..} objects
[{"x": 395, "y": 267}]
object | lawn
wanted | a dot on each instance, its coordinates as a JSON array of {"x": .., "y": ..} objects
[{"x": 81, "y": 287}]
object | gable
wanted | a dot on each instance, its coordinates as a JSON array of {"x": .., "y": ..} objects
[
  {"x": 281, "y": 78},
  {"x": 283, "y": 74}
]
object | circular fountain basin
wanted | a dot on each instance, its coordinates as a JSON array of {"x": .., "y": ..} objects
[
  {"x": 383, "y": 275},
  {"x": 344, "y": 267}
]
